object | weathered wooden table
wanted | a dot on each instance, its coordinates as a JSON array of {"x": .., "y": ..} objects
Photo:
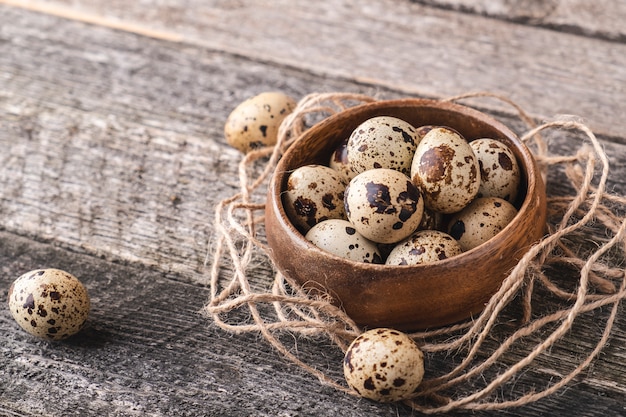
[{"x": 112, "y": 158}]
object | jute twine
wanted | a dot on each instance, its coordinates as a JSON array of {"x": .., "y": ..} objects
[{"x": 486, "y": 353}]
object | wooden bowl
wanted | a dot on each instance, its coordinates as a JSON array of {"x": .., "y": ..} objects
[{"x": 405, "y": 297}]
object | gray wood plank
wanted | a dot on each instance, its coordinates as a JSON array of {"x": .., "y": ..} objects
[
  {"x": 113, "y": 149},
  {"x": 147, "y": 351},
  {"x": 599, "y": 19},
  {"x": 403, "y": 45},
  {"x": 114, "y": 142}
]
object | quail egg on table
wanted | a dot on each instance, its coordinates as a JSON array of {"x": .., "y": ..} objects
[
  {"x": 499, "y": 171},
  {"x": 254, "y": 123},
  {"x": 484, "y": 218},
  {"x": 340, "y": 238},
  {"x": 424, "y": 246},
  {"x": 314, "y": 193},
  {"x": 49, "y": 303},
  {"x": 446, "y": 170},
  {"x": 382, "y": 142},
  {"x": 383, "y": 205},
  {"x": 384, "y": 365}
]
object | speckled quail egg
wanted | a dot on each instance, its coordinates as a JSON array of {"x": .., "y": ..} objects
[
  {"x": 314, "y": 193},
  {"x": 384, "y": 365},
  {"x": 499, "y": 171},
  {"x": 421, "y": 131},
  {"x": 340, "y": 238},
  {"x": 49, "y": 303},
  {"x": 422, "y": 247},
  {"x": 480, "y": 221},
  {"x": 431, "y": 220},
  {"x": 254, "y": 123},
  {"x": 382, "y": 142},
  {"x": 446, "y": 170},
  {"x": 383, "y": 205},
  {"x": 339, "y": 161}
]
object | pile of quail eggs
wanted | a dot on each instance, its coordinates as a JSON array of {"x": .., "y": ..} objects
[
  {"x": 393, "y": 194},
  {"x": 397, "y": 194}
]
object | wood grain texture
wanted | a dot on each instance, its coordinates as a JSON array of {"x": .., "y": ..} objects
[
  {"x": 112, "y": 159},
  {"x": 595, "y": 19},
  {"x": 114, "y": 144},
  {"x": 403, "y": 45},
  {"x": 146, "y": 351}
]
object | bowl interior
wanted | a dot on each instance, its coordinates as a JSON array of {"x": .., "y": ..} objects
[{"x": 405, "y": 297}]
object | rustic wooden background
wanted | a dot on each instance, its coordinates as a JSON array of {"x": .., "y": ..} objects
[{"x": 112, "y": 158}]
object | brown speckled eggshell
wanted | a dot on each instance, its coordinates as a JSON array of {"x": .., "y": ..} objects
[
  {"x": 424, "y": 246},
  {"x": 446, "y": 170},
  {"x": 480, "y": 221},
  {"x": 314, "y": 193},
  {"x": 340, "y": 238},
  {"x": 421, "y": 131},
  {"x": 499, "y": 170},
  {"x": 254, "y": 123},
  {"x": 431, "y": 220},
  {"x": 382, "y": 142},
  {"x": 49, "y": 303},
  {"x": 383, "y": 205},
  {"x": 339, "y": 161},
  {"x": 384, "y": 365}
]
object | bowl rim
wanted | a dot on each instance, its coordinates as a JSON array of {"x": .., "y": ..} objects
[{"x": 527, "y": 165}]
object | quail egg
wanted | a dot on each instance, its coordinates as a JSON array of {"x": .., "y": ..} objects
[
  {"x": 446, "y": 170},
  {"x": 431, "y": 220},
  {"x": 383, "y": 205},
  {"x": 421, "y": 131},
  {"x": 314, "y": 193},
  {"x": 424, "y": 246},
  {"x": 382, "y": 142},
  {"x": 384, "y": 365},
  {"x": 499, "y": 171},
  {"x": 484, "y": 218},
  {"x": 340, "y": 238},
  {"x": 49, "y": 303},
  {"x": 339, "y": 161},
  {"x": 254, "y": 123}
]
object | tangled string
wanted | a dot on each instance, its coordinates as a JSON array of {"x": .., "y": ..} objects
[{"x": 273, "y": 305}]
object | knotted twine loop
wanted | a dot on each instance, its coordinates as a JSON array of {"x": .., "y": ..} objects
[{"x": 242, "y": 302}]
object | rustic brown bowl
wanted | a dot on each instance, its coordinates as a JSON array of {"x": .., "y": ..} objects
[{"x": 405, "y": 297}]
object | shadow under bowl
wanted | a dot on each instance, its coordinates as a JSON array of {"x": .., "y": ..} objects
[{"x": 412, "y": 297}]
